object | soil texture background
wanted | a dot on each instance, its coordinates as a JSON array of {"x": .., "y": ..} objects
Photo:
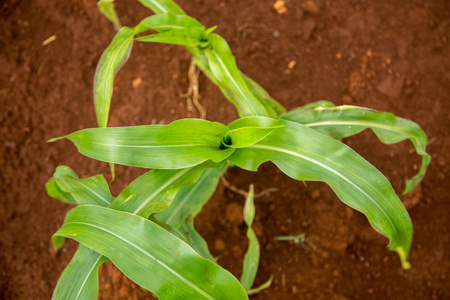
[{"x": 387, "y": 55}]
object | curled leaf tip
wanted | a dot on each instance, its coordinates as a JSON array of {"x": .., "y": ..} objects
[
  {"x": 403, "y": 258},
  {"x": 55, "y": 139}
]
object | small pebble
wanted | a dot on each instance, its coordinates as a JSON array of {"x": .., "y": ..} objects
[
  {"x": 219, "y": 245},
  {"x": 137, "y": 82},
  {"x": 310, "y": 7},
  {"x": 292, "y": 64},
  {"x": 280, "y": 7}
]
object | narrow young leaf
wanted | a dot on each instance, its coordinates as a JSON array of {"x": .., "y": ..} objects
[
  {"x": 111, "y": 61},
  {"x": 162, "y": 6},
  {"x": 343, "y": 121},
  {"x": 167, "y": 22},
  {"x": 181, "y": 144},
  {"x": 155, "y": 259},
  {"x": 119, "y": 51},
  {"x": 263, "y": 286},
  {"x": 273, "y": 107},
  {"x": 79, "y": 281},
  {"x": 304, "y": 154},
  {"x": 174, "y": 37},
  {"x": 107, "y": 9},
  {"x": 251, "y": 259},
  {"x": 243, "y": 134},
  {"x": 228, "y": 77}
]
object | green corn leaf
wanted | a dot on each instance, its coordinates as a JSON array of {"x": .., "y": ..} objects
[
  {"x": 111, "y": 61},
  {"x": 67, "y": 187},
  {"x": 181, "y": 144},
  {"x": 263, "y": 286},
  {"x": 305, "y": 154},
  {"x": 185, "y": 37},
  {"x": 195, "y": 240},
  {"x": 246, "y": 95},
  {"x": 92, "y": 190},
  {"x": 119, "y": 51},
  {"x": 54, "y": 191},
  {"x": 317, "y": 104},
  {"x": 241, "y": 135},
  {"x": 154, "y": 191},
  {"x": 162, "y": 6},
  {"x": 190, "y": 199},
  {"x": 187, "y": 204},
  {"x": 155, "y": 259},
  {"x": 251, "y": 259},
  {"x": 343, "y": 121},
  {"x": 166, "y": 22},
  {"x": 79, "y": 281},
  {"x": 58, "y": 243},
  {"x": 175, "y": 231},
  {"x": 228, "y": 77},
  {"x": 273, "y": 107},
  {"x": 107, "y": 9}
]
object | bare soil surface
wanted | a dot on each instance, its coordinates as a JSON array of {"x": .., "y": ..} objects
[{"x": 387, "y": 55}]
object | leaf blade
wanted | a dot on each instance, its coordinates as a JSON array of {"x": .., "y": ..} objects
[
  {"x": 228, "y": 77},
  {"x": 80, "y": 278},
  {"x": 305, "y": 154},
  {"x": 107, "y": 9},
  {"x": 162, "y": 6},
  {"x": 190, "y": 199},
  {"x": 181, "y": 144},
  {"x": 92, "y": 190},
  {"x": 155, "y": 269},
  {"x": 110, "y": 62},
  {"x": 155, "y": 190},
  {"x": 274, "y": 108},
  {"x": 343, "y": 121},
  {"x": 251, "y": 258},
  {"x": 187, "y": 204}
]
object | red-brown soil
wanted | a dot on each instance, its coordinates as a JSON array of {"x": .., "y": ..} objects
[{"x": 388, "y": 55}]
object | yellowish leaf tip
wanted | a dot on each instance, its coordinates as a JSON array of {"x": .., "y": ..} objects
[
  {"x": 55, "y": 139},
  {"x": 403, "y": 257}
]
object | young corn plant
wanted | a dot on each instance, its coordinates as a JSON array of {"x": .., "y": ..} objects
[{"x": 148, "y": 230}]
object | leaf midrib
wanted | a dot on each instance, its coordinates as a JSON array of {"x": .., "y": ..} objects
[
  {"x": 161, "y": 188},
  {"x": 108, "y": 72},
  {"x": 144, "y": 146},
  {"x": 367, "y": 124},
  {"x": 93, "y": 191},
  {"x": 329, "y": 169},
  {"x": 88, "y": 274},
  {"x": 146, "y": 253},
  {"x": 244, "y": 96},
  {"x": 186, "y": 197}
]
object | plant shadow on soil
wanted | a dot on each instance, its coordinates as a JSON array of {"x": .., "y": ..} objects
[{"x": 387, "y": 55}]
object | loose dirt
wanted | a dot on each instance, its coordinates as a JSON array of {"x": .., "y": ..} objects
[{"x": 387, "y": 55}]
